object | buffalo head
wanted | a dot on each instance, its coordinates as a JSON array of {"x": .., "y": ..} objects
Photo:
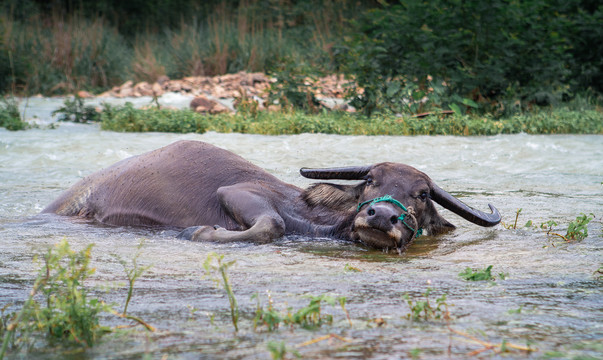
[{"x": 392, "y": 205}]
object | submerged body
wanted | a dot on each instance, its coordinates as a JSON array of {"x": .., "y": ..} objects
[{"x": 219, "y": 196}]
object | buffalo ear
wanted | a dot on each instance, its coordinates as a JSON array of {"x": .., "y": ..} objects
[
  {"x": 435, "y": 224},
  {"x": 438, "y": 225},
  {"x": 333, "y": 196}
]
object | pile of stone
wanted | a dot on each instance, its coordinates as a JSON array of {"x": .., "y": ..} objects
[
  {"x": 230, "y": 86},
  {"x": 223, "y": 86}
]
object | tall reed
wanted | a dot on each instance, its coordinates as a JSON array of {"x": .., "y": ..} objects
[{"x": 60, "y": 53}]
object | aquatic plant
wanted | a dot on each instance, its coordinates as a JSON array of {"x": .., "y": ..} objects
[
  {"x": 279, "y": 350},
  {"x": 424, "y": 310},
  {"x": 514, "y": 226},
  {"x": 67, "y": 315},
  {"x": 415, "y": 353},
  {"x": 308, "y": 317},
  {"x": 133, "y": 272},
  {"x": 342, "y": 302},
  {"x": 577, "y": 229},
  {"x": 10, "y": 118},
  {"x": 481, "y": 275},
  {"x": 269, "y": 316},
  {"x": 311, "y": 316},
  {"x": 214, "y": 264},
  {"x": 515, "y": 311},
  {"x": 74, "y": 110},
  {"x": 477, "y": 275},
  {"x": 350, "y": 268}
]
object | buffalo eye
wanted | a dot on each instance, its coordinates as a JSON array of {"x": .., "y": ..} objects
[
  {"x": 369, "y": 181},
  {"x": 423, "y": 196}
]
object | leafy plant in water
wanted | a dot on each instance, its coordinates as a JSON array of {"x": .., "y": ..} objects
[
  {"x": 69, "y": 315},
  {"x": 309, "y": 317},
  {"x": 10, "y": 118},
  {"x": 516, "y": 311},
  {"x": 415, "y": 353},
  {"x": 75, "y": 110},
  {"x": 350, "y": 268},
  {"x": 132, "y": 273},
  {"x": 424, "y": 310},
  {"x": 514, "y": 226},
  {"x": 477, "y": 275},
  {"x": 214, "y": 264},
  {"x": 342, "y": 302},
  {"x": 278, "y": 350},
  {"x": 269, "y": 317},
  {"x": 576, "y": 230}
]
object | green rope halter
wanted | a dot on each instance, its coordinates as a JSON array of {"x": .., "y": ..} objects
[{"x": 389, "y": 199}]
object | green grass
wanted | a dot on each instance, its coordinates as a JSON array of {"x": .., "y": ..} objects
[
  {"x": 56, "y": 53},
  {"x": 556, "y": 121}
]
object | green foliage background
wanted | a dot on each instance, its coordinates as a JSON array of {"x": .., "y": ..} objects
[
  {"x": 410, "y": 56},
  {"x": 469, "y": 52}
]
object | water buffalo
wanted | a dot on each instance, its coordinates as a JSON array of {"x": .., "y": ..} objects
[{"x": 216, "y": 195}]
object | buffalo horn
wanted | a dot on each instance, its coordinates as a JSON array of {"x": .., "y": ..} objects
[
  {"x": 343, "y": 173},
  {"x": 458, "y": 207}
]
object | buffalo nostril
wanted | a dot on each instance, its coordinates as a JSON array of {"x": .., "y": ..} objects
[
  {"x": 371, "y": 212},
  {"x": 394, "y": 220}
]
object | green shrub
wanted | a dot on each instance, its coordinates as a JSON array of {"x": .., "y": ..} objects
[
  {"x": 67, "y": 314},
  {"x": 10, "y": 118},
  {"x": 559, "y": 121},
  {"x": 75, "y": 110},
  {"x": 292, "y": 88},
  {"x": 446, "y": 54},
  {"x": 128, "y": 119}
]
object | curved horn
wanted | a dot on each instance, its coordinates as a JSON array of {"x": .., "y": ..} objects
[
  {"x": 458, "y": 207},
  {"x": 343, "y": 173}
]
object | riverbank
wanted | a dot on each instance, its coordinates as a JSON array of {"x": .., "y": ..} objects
[
  {"x": 556, "y": 121},
  {"x": 173, "y": 111}
]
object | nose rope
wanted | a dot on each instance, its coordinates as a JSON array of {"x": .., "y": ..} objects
[{"x": 389, "y": 199}]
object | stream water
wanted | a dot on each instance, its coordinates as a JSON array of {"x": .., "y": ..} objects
[{"x": 550, "y": 296}]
